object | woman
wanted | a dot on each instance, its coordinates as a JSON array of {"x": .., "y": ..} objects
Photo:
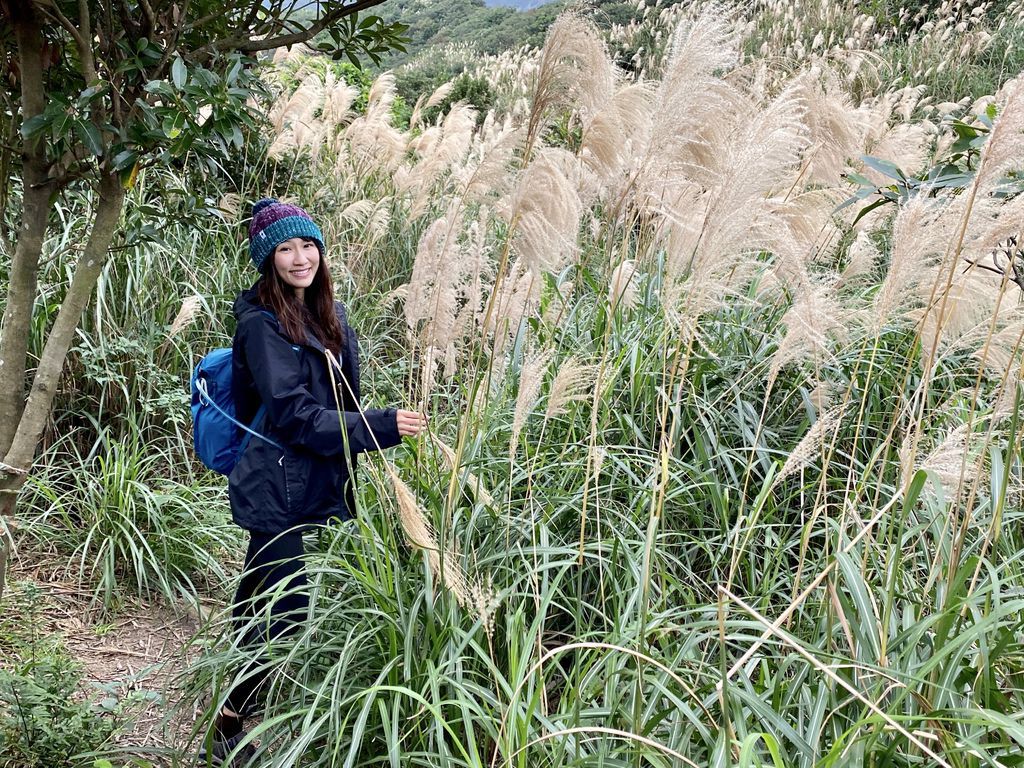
[{"x": 293, "y": 353}]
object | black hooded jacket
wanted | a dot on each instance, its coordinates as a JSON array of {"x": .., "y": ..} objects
[{"x": 310, "y": 478}]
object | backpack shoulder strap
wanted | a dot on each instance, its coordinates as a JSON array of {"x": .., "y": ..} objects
[
  {"x": 207, "y": 400},
  {"x": 250, "y": 432}
]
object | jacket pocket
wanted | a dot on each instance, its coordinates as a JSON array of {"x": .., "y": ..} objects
[{"x": 307, "y": 484}]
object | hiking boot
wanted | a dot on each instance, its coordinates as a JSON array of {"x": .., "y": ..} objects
[{"x": 219, "y": 749}]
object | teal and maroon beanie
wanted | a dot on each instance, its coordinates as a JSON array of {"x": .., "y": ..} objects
[{"x": 272, "y": 223}]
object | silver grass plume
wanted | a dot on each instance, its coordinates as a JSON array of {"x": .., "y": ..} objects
[
  {"x": 431, "y": 303},
  {"x": 448, "y": 150},
  {"x": 821, "y": 396},
  {"x": 622, "y": 288},
  {"x": 531, "y": 376},
  {"x": 757, "y": 162},
  {"x": 814, "y": 318},
  {"x": 230, "y": 206},
  {"x": 890, "y": 137},
  {"x": 921, "y": 234},
  {"x": 373, "y": 141},
  {"x": 477, "y": 269},
  {"x": 694, "y": 110},
  {"x": 1005, "y": 147},
  {"x": 966, "y": 299},
  {"x": 861, "y": 259},
  {"x": 294, "y": 121},
  {"x": 571, "y": 383},
  {"x": 953, "y": 460},
  {"x": 487, "y": 169},
  {"x": 804, "y": 230},
  {"x": 810, "y": 444},
  {"x": 963, "y": 310},
  {"x": 428, "y": 102},
  {"x": 518, "y": 296},
  {"x": 573, "y": 68},
  {"x": 186, "y": 314},
  {"x": 1002, "y": 353},
  {"x": 448, "y": 569},
  {"x": 608, "y": 132},
  {"x": 337, "y": 110},
  {"x": 837, "y": 128},
  {"x": 960, "y": 302},
  {"x": 546, "y": 210}
]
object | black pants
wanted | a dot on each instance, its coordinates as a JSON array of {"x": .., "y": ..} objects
[{"x": 273, "y": 564}]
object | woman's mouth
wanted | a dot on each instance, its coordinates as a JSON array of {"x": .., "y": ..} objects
[{"x": 302, "y": 273}]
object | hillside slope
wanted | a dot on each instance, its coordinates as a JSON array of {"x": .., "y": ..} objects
[{"x": 487, "y": 29}]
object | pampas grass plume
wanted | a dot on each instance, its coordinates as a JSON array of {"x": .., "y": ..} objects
[{"x": 420, "y": 533}]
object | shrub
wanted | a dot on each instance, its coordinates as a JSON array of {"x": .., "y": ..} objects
[{"x": 46, "y": 719}]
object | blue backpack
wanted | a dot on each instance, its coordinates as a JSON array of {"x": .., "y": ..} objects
[{"x": 218, "y": 435}]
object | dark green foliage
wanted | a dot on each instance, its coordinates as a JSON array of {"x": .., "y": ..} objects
[
  {"x": 474, "y": 91},
  {"x": 42, "y": 724}
]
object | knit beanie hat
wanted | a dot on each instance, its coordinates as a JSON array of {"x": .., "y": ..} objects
[{"x": 273, "y": 222}]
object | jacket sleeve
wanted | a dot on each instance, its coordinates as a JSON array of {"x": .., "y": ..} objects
[{"x": 300, "y": 420}]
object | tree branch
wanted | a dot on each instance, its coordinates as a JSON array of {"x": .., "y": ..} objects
[
  {"x": 172, "y": 43},
  {"x": 150, "y": 17},
  {"x": 84, "y": 51},
  {"x": 85, "y": 46},
  {"x": 126, "y": 19},
  {"x": 248, "y": 45}
]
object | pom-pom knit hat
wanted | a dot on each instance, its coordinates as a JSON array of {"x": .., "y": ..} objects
[{"x": 272, "y": 223}]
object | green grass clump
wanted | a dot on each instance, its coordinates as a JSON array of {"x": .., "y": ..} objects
[{"x": 124, "y": 528}]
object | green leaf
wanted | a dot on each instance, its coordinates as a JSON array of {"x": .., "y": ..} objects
[
  {"x": 884, "y": 167},
  {"x": 179, "y": 73},
  {"x": 90, "y": 136},
  {"x": 869, "y": 208},
  {"x": 233, "y": 73},
  {"x": 34, "y": 125},
  {"x": 125, "y": 159}
]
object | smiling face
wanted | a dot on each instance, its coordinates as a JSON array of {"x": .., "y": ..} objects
[{"x": 296, "y": 261}]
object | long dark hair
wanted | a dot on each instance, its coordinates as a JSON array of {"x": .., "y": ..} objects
[{"x": 315, "y": 313}]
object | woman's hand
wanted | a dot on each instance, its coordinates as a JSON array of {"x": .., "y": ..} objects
[{"x": 410, "y": 423}]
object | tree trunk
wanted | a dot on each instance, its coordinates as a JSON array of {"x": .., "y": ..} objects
[
  {"x": 21, "y": 292},
  {"x": 44, "y": 384}
]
